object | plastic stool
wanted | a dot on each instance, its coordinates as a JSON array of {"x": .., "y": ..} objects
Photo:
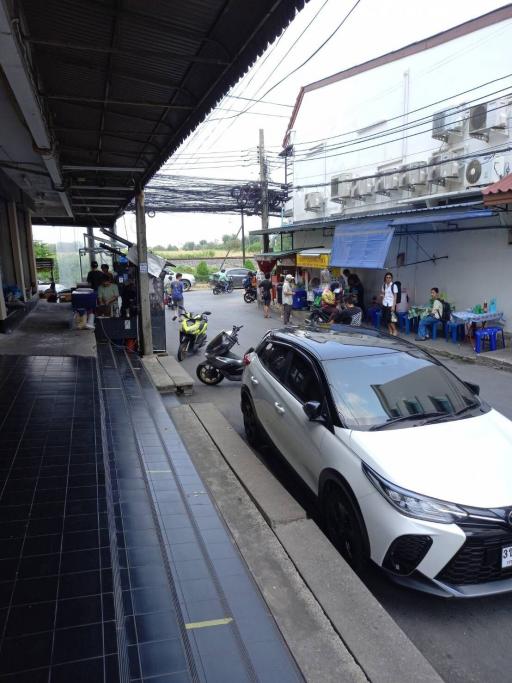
[
  {"x": 480, "y": 336},
  {"x": 493, "y": 333},
  {"x": 403, "y": 321},
  {"x": 434, "y": 328},
  {"x": 376, "y": 318},
  {"x": 452, "y": 329}
]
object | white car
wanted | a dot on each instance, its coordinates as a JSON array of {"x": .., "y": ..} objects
[
  {"x": 412, "y": 469},
  {"x": 188, "y": 279}
]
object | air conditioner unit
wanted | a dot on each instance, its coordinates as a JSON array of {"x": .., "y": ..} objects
[
  {"x": 486, "y": 117},
  {"x": 341, "y": 186},
  {"x": 434, "y": 170},
  {"x": 487, "y": 170},
  {"x": 388, "y": 181},
  {"x": 448, "y": 122},
  {"x": 450, "y": 169},
  {"x": 363, "y": 188},
  {"x": 313, "y": 201},
  {"x": 413, "y": 175}
]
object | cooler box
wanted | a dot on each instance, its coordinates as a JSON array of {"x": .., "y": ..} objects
[
  {"x": 83, "y": 298},
  {"x": 300, "y": 299}
]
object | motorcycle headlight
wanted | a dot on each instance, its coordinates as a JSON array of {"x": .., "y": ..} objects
[{"x": 413, "y": 504}]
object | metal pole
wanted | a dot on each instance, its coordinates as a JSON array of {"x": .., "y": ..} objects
[
  {"x": 90, "y": 244},
  {"x": 243, "y": 238},
  {"x": 146, "y": 334},
  {"x": 264, "y": 191}
]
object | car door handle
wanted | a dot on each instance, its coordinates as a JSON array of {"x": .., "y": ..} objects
[
  {"x": 279, "y": 408},
  {"x": 254, "y": 380}
]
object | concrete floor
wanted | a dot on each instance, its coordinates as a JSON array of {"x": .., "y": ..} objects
[{"x": 46, "y": 331}]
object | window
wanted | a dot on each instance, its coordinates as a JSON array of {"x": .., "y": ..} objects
[
  {"x": 302, "y": 380},
  {"x": 275, "y": 358}
]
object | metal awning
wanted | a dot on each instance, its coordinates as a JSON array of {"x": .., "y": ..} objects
[
  {"x": 443, "y": 217},
  {"x": 120, "y": 85},
  {"x": 361, "y": 245},
  {"x": 315, "y": 252}
]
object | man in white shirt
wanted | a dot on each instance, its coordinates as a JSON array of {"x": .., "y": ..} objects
[
  {"x": 434, "y": 316},
  {"x": 388, "y": 293},
  {"x": 287, "y": 298}
]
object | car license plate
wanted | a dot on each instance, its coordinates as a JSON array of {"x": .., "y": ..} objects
[{"x": 506, "y": 556}]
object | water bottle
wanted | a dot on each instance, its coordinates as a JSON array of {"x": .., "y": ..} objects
[{"x": 485, "y": 306}]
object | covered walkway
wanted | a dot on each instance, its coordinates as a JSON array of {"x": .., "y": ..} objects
[{"x": 115, "y": 563}]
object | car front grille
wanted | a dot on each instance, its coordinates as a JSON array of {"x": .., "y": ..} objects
[
  {"x": 479, "y": 559},
  {"x": 406, "y": 552}
]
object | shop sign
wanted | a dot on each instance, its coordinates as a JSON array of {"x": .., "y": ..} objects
[
  {"x": 287, "y": 261},
  {"x": 307, "y": 261}
]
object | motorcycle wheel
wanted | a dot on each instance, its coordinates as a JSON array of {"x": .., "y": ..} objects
[
  {"x": 207, "y": 374},
  {"x": 182, "y": 350},
  {"x": 229, "y": 289},
  {"x": 316, "y": 317},
  {"x": 248, "y": 298},
  {"x": 215, "y": 290}
]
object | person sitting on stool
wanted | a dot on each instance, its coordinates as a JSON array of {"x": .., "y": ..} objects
[{"x": 433, "y": 317}]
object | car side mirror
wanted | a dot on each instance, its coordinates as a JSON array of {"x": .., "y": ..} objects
[
  {"x": 474, "y": 388},
  {"x": 313, "y": 410}
]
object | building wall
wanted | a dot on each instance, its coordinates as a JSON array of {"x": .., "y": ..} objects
[
  {"x": 6, "y": 257},
  {"x": 348, "y": 112}
]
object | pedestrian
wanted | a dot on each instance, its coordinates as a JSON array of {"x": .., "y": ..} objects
[
  {"x": 350, "y": 315},
  {"x": 177, "y": 292},
  {"x": 287, "y": 298},
  {"x": 434, "y": 315},
  {"x": 265, "y": 287},
  {"x": 388, "y": 294},
  {"x": 94, "y": 276},
  {"x": 325, "y": 276}
]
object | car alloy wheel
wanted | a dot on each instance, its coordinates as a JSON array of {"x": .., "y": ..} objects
[
  {"x": 343, "y": 526},
  {"x": 186, "y": 285},
  {"x": 251, "y": 426}
]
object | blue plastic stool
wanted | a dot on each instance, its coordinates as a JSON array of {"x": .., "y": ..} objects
[
  {"x": 493, "y": 333},
  {"x": 376, "y": 318},
  {"x": 455, "y": 331},
  {"x": 434, "y": 328},
  {"x": 480, "y": 336},
  {"x": 403, "y": 321}
]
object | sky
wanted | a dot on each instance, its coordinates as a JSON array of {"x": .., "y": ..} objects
[{"x": 225, "y": 144}]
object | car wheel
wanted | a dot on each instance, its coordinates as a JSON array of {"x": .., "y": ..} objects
[
  {"x": 251, "y": 424},
  {"x": 182, "y": 350},
  {"x": 344, "y": 526},
  {"x": 186, "y": 285},
  {"x": 208, "y": 374}
]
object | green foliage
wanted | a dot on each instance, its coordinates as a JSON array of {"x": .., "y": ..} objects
[
  {"x": 249, "y": 264},
  {"x": 202, "y": 271},
  {"x": 44, "y": 250},
  {"x": 189, "y": 246},
  {"x": 171, "y": 247}
]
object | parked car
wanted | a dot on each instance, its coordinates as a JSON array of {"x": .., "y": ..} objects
[
  {"x": 188, "y": 279},
  {"x": 412, "y": 469},
  {"x": 237, "y": 276},
  {"x": 43, "y": 287}
]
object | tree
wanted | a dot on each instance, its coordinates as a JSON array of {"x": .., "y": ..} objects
[
  {"x": 189, "y": 246},
  {"x": 249, "y": 264},
  {"x": 203, "y": 243},
  {"x": 159, "y": 247},
  {"x": 202, "y": 271},
  {"x": 172, "y": 247}
]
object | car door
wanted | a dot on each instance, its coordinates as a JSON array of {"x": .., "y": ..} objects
[
  {"x": 300, "y": 439},
  {"x": 266, "y": 372}
]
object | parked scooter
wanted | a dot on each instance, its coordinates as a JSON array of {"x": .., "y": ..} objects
[
  {"x": 219, "y": 288},
  {"x": 318, "y": 315},
  {"x": 192, "y": 332},
  {"x": 220, "y": 362},
  {"x": 250, "y": 294}
]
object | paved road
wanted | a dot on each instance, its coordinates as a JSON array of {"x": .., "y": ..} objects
[{"x": 466, "y": 641}]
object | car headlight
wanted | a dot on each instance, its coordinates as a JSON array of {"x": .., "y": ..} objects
[{"x": 413, "y": 504}]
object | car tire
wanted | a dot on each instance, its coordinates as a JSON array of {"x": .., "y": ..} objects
[
  {"x": 207, "y": 374},
  {"x": 344, "y": 525},
  {"x": 182, "y": 350},
  {"x": 186, "y": 285},
  {"x": 252, "y": 427}
]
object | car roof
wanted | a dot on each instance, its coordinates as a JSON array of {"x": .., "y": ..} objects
[{"x": 344, "y": 342}]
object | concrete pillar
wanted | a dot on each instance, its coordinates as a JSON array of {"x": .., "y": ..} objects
[
  {"x": 31, "y": 255},
  {"x": 16, "y": 247},
  {"x": 142, "y": 256}
]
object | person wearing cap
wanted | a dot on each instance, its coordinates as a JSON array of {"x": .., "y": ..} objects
[
  {"x": 94, "y": 276},
  {"x": 287, "y": 298}
]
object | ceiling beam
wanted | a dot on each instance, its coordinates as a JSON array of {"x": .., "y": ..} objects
[
  {"x": 109, "y": 169},
  {"x": 95, "y": 198},
  {"x": 105, "y": 188},
  {"x": 138, "y": 52},
  {"x": 111, "y": 133},
  {"x": 120, "y": 103}
]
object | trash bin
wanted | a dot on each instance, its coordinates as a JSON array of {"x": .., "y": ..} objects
[
  {"x": 300, "y": 299},
  {"x": 279, "y": 291}
]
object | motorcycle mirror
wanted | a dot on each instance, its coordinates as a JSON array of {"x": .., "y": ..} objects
[
  {"x": 207, "y": 313},
  {"x": 175, "y": 317}
]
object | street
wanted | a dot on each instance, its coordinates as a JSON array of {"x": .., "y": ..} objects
[{"x": 466, "y": 641}]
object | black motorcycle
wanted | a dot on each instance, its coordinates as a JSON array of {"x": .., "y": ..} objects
[
  {"x": 220, "y": 362},
  {"x": 250, "y": 294},
  {"x": 223, "y": 288}
]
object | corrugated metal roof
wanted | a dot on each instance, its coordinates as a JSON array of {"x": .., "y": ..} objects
[
  {"x": 108, "y": 76},
  {"x": 503, "y": 185}
]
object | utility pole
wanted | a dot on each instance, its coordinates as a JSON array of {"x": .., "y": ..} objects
[
  {"x": 264, "y": 191},
  {"x": 243, "y": 236},
  {"x": 142, "y": 258}
]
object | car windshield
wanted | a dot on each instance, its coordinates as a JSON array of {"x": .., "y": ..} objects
[{"x": 374, "y": 390}]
